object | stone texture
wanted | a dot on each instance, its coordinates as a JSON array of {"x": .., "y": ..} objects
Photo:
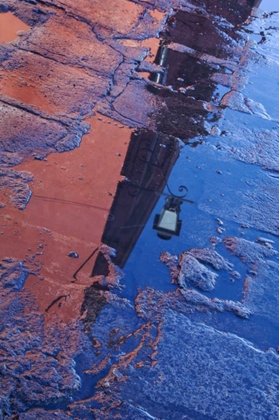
[
  {"x": 135, "y": 110},
  {"x": 44, "y": 414},
  {"x": 153, "y": 304},
  {"x": 54, "y": 40},
  {"x": 256, "y": 146},
  {"x": 24, "y": 133},
  {"x": 193, "y": 273},
  {"x": 102, "y": 16},
  {"x": 15, "y": 188},
  {"x": 37, "y": 360},
  {"x": 49, "y": 86},
  {"x": 261, "y": 291},
  {"x": 206, "y": 376},
  {"x": 211, "y": 257},
  {"x": 249, "y": 252},
  {"x": 189, "y": 268}
]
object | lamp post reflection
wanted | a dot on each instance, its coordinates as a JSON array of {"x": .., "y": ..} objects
[{"x": 167, "y": 223}]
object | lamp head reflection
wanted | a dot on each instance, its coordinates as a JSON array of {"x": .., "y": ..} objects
[{"x": 167, "y": 223}]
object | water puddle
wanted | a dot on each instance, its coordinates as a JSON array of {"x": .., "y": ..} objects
[
  {"x": 214, "y": 183},
  {"x": 70, "y": 205},
  {"x": 9, "y": 26},
  {"x": 269, "y": 5},
  {"x": 166, "y": 236},
  {"x": 157, "y": 15},
  {"x": 151, "y": 43}
]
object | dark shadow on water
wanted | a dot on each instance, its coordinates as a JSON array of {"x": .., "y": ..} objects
[{"x": 147, "y": 166}]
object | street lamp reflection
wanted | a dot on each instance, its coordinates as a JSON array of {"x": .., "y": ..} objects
[{"x": 167, "y": 223}]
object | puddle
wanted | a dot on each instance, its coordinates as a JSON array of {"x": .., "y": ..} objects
[
  {"x": 269, "y": 5},
  {"x": 151, "y": 43},
  {"x": 210, "y": 182},
  {"x": 9, "y": 26},
  {"x": 144, "y": 74},
  {"x": 189, "y": 203},
  {"x": 157, "y": 15},
  {"x": 70, "y": 204}
]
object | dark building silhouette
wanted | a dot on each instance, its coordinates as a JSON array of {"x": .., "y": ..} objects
[{"x": 148, "y": 163}]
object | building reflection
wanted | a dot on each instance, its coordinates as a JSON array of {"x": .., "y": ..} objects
[
  {"x": 181, "y": 113},
  {"x": 149, "y": 161}
]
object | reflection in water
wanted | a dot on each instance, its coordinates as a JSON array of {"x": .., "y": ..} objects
[
  {"x": 67, "y": 213},
  {"x": 268, "y": 5},
  {"x": 196, "y": 58},
  {"x": 9, "y": 26},
  {"x": 188, "y": 98},
  {"x": 151, "y": 156},
  {"x": 189, "y": 76},
  {"x": 149, "y": 160},
  {"x": 167, "y": 223}
]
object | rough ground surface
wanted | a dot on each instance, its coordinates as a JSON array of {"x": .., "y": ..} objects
[{"x": 187, "y": 333}]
